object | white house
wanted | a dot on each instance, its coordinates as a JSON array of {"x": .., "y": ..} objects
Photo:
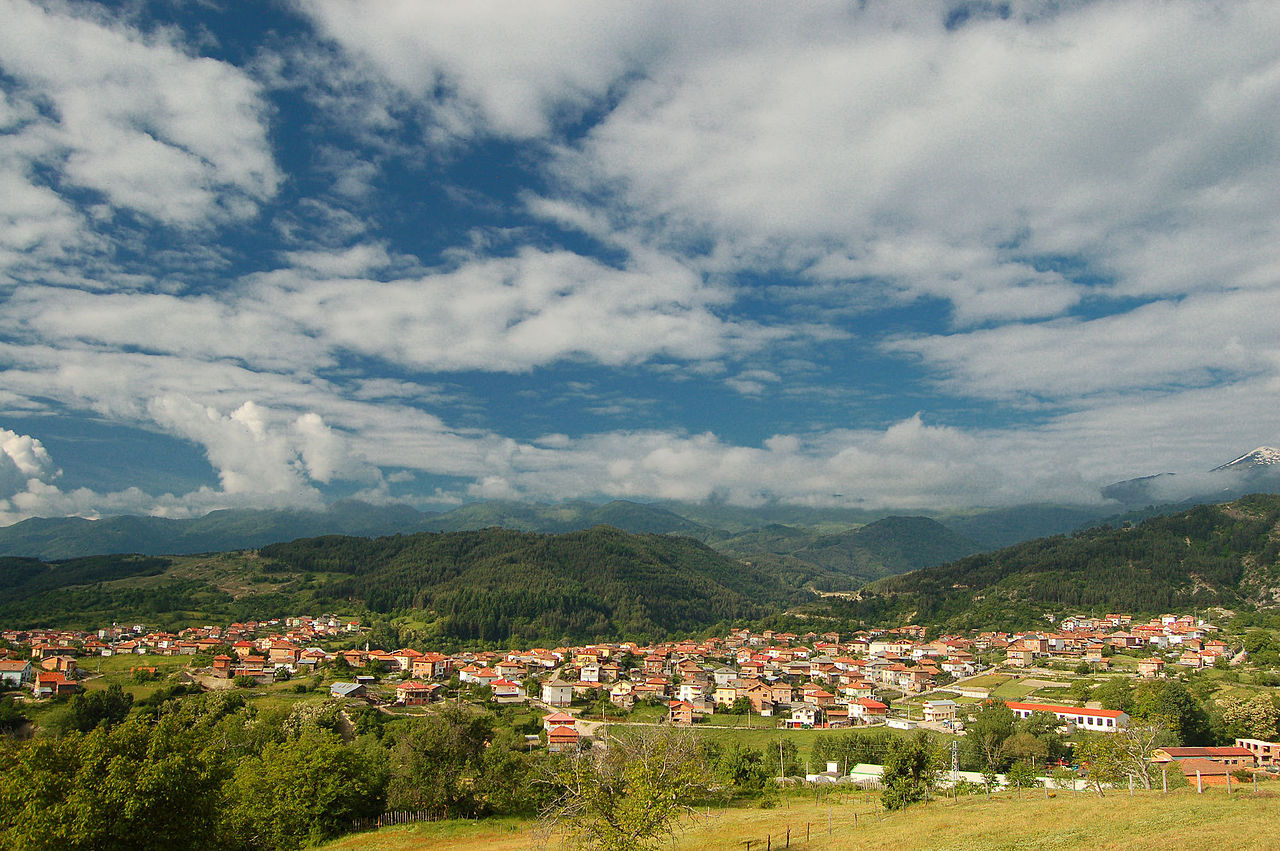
[
  {"x": 1100, "y": 720},
  {"x": 557, "y": 693},
  {"x": 940, "y": 711}
]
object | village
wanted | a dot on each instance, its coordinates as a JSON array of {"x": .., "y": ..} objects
[{"x": 894, "y": 678}]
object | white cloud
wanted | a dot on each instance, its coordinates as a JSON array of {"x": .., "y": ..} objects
[
  {"x": 937, "y": 162},
  {"x": 496, "y": 314},
  {"x": 503, "y": 68},
  {"x": 1199, "y": 340},
  {"x": 1026, "y": 171},
  {"x": 512, "y": 314},
  {"x": 24, "y": 463},
  {"x": 102, "y": 107}
]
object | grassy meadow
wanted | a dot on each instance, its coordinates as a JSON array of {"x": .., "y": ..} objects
[{"x": 1154, "y": 821}]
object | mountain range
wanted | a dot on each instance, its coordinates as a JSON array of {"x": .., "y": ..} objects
[
  {"x": 1254, "y": 472},
  {"x": 497, "y": 585}
]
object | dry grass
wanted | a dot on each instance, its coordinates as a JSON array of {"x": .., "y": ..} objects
[{"x": 1151, "y": 821}]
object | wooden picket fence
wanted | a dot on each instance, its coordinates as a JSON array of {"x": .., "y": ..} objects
[{"x": 394, "y": 817}]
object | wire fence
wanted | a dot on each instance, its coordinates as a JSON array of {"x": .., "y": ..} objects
[{"x": 801, "y": 834}]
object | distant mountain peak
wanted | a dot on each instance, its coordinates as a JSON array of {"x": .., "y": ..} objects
[{"x": 1263, "y": 456}]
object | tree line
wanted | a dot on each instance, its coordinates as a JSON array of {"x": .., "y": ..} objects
[{"x": 177, "y": 770}]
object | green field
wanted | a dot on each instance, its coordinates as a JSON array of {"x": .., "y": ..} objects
[
  {"x": 1152, "y": 821},
  {"x": 987, "y": 681}
]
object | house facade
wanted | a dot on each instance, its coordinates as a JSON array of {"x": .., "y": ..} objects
[{"x": 1098, "y": 720}]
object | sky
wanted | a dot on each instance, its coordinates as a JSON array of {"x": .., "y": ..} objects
[{"x": 872, "y": 254}]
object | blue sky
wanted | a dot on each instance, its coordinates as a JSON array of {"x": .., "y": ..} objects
[{"x": 880, "y": 254}]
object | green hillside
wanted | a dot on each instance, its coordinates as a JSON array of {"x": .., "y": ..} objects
[
  {"x": 848, "y": 559},
  {"x": 1211, "y": 555},
  {"x": 562, "y": 517},
  {"x": 496, "y": 584}
]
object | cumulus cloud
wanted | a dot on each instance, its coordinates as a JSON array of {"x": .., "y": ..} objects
[
  {"x": 256, "y": 450},
  {"x": 135, "y": 118},
  {"x": 23, "y": 461}
]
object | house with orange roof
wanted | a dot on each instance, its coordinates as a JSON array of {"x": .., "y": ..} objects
[
  {"x": 563, "y": 739},
  {"x": 433, "y": 666},
  {"x": 63, "y": 663},
  {"x": 866, "y": 710},
  {"x": 222, "y": 666},
  {"x": 48, "y": 684},
  {"x": 507, "y": 691},
  {"x": 558, "y": 719},
  {"x": 680, "y": 713},
  {"x": 818, "y": 696},
  {"x": 402, "y": 659},
  {"x": 416, "y": 693},
  {"x": 856, "y": 689}
]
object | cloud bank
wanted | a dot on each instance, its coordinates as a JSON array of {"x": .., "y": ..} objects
[{"x": 909, "y": 255}]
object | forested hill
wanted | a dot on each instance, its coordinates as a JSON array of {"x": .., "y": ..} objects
[
  {"x": 846, "y": 560},
  {"x": 1209, "y": 555},
  {"x": 496, "y": 584}
]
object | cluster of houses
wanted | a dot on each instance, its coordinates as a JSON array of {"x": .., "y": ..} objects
[
  {"x": 809, "y": 680},
  {"x": 48, "y": 660},
  {"x": 1175, "y": 639}
]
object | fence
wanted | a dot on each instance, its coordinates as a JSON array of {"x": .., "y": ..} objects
[
  {"x": 394, "y": 817},
  {"x": 837, "y": 817}
]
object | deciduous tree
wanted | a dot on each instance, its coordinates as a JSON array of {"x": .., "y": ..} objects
[
  {"x": 629, "y": 794},
  {"x": 910, "y": 771}
]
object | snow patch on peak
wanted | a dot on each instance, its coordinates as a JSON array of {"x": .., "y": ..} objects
[{"x": 1260, "y": 457}]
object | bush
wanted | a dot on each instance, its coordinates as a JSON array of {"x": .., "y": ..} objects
[{"x": 245, "y": 681}]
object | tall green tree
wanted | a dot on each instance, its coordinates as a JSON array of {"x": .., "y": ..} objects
[
  {"x": 134, "y": 786},
  {"x": 742, "y": 768},
  {"x": 986, "y": 732},
  {"x": 629, "y": 795},
  {"x": 1115, "y": 694},
  {"x": 1169, "y": 703},
  {"x": 435, "y": 763},
  {"x": 299, "y": 792},
  {"x": 92, "y": 708},
  {"x": 911, "y": 768}
]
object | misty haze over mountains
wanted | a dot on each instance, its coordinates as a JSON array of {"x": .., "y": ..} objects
[
  {"x": 1257, "y": 471},
  {"x": 816, "y": 534}
]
